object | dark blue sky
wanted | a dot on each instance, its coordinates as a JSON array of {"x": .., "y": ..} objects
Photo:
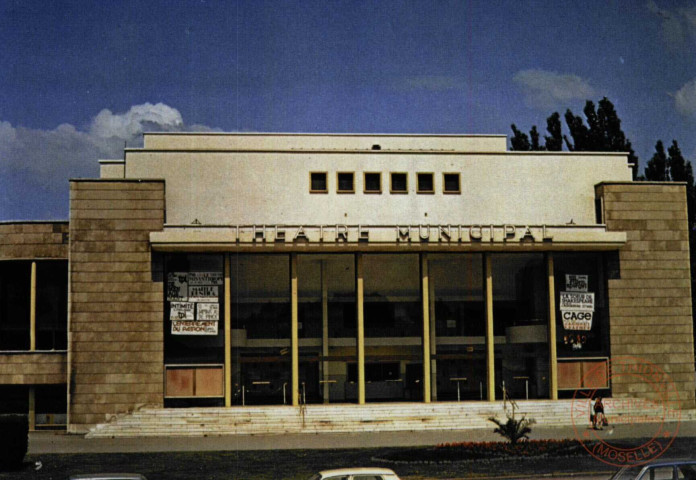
[{"x": 324, "y": 66}]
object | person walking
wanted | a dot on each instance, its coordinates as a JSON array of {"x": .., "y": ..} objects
[{"x": 599, "y": 419}]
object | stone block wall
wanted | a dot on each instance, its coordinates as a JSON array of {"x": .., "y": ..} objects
[
  {"x": 33, "y": 240},
  {"x": 33, "y": 368},
  {"x": 116, "y": 306},
  {"x": 650, "y": 304}
]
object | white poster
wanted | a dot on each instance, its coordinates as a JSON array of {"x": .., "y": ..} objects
[
  {"x": 194, "y": 327},
  {"x": 577, "y": 320},
  {"x": 576, "y": 301},
  {"x": 574, "y": 283},
  {"x": 181, "y": 311},
  {"x": 208, "y": 311},
  {"x": 205, "y": 278},
  {"x": 177, "y": 287},
  {"x": 203, "y": 293}
]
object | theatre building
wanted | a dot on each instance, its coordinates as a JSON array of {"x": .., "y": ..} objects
[{"x": 228, "y": 271}]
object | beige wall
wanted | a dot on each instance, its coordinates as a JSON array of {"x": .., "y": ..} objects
[
  {"x": 33, "y": 240},
  {"x": 33, "y": 368},
  {"x": 319, "y": 141},
  {"x": 650, "y": 305},
  {"x": 116, "y": 306},
  {"x": 226, "y": 187}
]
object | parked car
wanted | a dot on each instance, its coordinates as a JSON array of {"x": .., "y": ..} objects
[
  {"x": 107, "y": 476},
  {"x": 368, "y": 473},
  {"x": 659, "y": 470}
]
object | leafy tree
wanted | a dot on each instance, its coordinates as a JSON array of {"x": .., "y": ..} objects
[
  {"x": 534, "y": 133},
  {"x": 656, "y": 169},
  {"x": 599, "y": 131},
  {"x": 519, "y": 140},
  {"x": 554, "y": 142}
]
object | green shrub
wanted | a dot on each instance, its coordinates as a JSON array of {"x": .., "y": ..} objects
[
  {"x": 514, "y": 429},
  {"x": 14, "y": 440}
]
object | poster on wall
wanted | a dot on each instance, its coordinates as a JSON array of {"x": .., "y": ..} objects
[
  {"x": 205, "y": 278},
  {"x": 577, "y": 320},
  {"x": 194, "y": 327},
  {"x": 576, "y": 283},
  {"x": 576, "y": 301},
  {"x": 177, "y": 287},
  {"x": 203, "y": 293},
  {"x": 181, "y": 310},
  {"x": 208, "y": 311}
]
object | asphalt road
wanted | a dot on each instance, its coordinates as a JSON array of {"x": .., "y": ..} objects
[
  {"x": 58, "y": 442},
  {"x": 301, "y": 454}
]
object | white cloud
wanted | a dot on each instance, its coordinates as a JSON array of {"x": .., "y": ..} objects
[
  {"x": 48, "y": 158},
  {"x": 135, "y": 121},
  {"x": 677, "y": 25},
  {"x": 685, "y": 98},
  {"x": 546, "y": 90}
]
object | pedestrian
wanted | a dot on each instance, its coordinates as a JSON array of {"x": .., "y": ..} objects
[{"x": 599, "y": 418}]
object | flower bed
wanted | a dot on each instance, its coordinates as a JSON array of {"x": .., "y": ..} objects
[{"x": 457, "y": 452}]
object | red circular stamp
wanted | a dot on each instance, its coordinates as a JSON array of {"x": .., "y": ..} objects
[{"x": 653, "y": 414}]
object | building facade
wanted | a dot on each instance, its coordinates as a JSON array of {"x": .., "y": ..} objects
[{"x": 218, "y": 270}]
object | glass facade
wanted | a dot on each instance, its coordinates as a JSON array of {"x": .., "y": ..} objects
[
  {"x": 401, "y": 321},
  {"x": 260, "y": 314},
  {"x": 50, "y": 305},
  {"x": 327, "y": 327},
  {"x": 194, "y": 341},
  {"x": 458, "y": 326},
  {"x": 520, "y": 325},
  {"x": 393, "y": 327}
]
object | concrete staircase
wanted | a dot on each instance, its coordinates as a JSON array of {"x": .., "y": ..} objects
[{"x": 342, "y": 418}]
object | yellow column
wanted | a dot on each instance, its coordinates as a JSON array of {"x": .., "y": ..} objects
[
  {"x": 425, "y": 291},
  {"x": 433, "y": 340},
  {"x": 32, "y": 408},
  {"x": 553, "y": 355},
  {"x": 294, "y": 347},
  {"x": 361, "y": 327},
  {"x": 228, "y": 333},
  {"x": 32, "y": 309},
  {"x": 490, "y": 339},
  {"x": 326, "y": 386}
]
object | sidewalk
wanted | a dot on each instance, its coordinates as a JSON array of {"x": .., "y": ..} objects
[{"x": 60, "y": 442}]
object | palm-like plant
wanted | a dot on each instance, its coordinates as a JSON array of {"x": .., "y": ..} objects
[{"x": 514, "y": 430}]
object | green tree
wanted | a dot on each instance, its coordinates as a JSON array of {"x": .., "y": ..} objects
[
  {"x": 656, "y": 169},
  {"x": 603, "y": 132},
  {"x": 599, "y": 131},
  {"x": 534, "y": 134},
  {"x": 554, "y": 142},
  {"x": 519, "y": 140}
]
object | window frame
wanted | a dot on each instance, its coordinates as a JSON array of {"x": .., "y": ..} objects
[
  {"x": 338, "y": 184},
  {"x": 391, "y": 183},
  {"x": 444, "y": 183},
  {"x": 326, "y": 179},
  {"x": 432, "y": 179},
  {"x": 365, "y": 190}
]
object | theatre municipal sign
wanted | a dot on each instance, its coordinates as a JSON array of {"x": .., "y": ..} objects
[{"x": 390, "y": 233}]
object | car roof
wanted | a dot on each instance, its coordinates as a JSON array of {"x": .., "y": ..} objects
[
  {"x": 667, "y": 462},
  {"x": 107, "y": 476},
  {"x": 357, "y": 471}
]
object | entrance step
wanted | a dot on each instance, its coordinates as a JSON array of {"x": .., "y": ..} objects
[{"x": 342, "y": 418}]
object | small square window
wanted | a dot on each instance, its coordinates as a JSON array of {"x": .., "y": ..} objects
[
  {"x": 451, "y": 183},
  {"x": 425, "y": 183},
  {"x": 399, "y": 183},
  {"x": 318, "y": 183},
  {"x": 346, "y": 182},
  {"x": 373, "y": 182}
]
